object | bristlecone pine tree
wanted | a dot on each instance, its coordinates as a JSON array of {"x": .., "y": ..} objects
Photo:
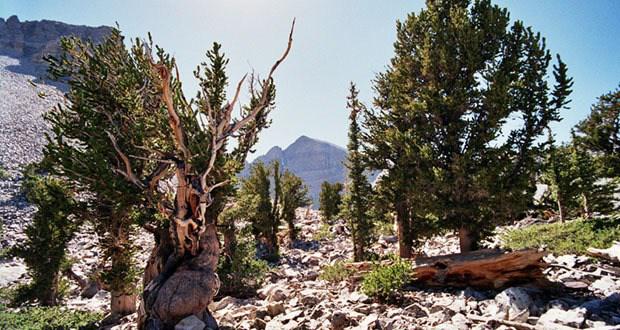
[
  {"x": 600, "y": 133},
  {"x": 575, "y": 183},
  {"x": 330, "y": 199},
  {"x": 356, "y": 203},
  {"x": 266, "y": 214},
  {"x": 294, "y": 195},
  {"x": 53, "y": 226},
  {"x": 461, "y": 71},
  {"x": 113, "y": 105},
  {"x": 559, "y": 176},
  {"x": 127, "y": 128}
]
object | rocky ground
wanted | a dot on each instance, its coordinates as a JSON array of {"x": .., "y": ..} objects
[{"x": 586, "y": 294}]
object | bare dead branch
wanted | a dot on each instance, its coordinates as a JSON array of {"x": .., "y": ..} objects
[
  {"x": 265, "y": 92},
  {"x": 173, "y": 117},
  {"x": 128, "y": 170}
]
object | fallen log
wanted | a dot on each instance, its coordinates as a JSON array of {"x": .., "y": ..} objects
[
  {"x": 488, "y": 269},
  {"x": 610, "y": 254}
]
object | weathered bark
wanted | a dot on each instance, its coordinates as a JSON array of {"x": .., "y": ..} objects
[
  {"x": 180, "y": 278},
  {"x": 561, "y": 209},
  {"x": 480, "y": 269},
  {"x": 230, "y": 241},
  {"x": 122, "y": 303},
  {"x": 586, "y": 208},
  {"x": 49, "y": 297},
  {"x": 611, "y": 254},
  {"x": 292, "y": 231},
  {"x": 402, "y": 222},
  {"x": 468, "y": 240},
  {"x": 181, "y": 273}
]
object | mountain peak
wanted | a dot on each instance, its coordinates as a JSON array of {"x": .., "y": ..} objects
[{"x": 314, "y": 161}]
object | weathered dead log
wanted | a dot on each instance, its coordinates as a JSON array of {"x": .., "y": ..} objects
[
  {"x": 611, "y": 254},
  {"x": 479, "y": 269}
]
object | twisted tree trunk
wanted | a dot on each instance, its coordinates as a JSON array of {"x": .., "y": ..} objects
[{"x": 181, "y": 271}]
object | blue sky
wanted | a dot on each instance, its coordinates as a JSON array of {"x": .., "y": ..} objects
[{"x": 335, "y": 42}]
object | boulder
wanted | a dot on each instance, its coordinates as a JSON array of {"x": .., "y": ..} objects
[
  {"x": 370, "y": 322},
  {"x": 339, "y": 320},
  {"x": 606, "y": 285},
  {"x": 309, "y": 297},
  {"x": 514, "y": 304},
  {"x": 574, "y": 318},
  {"x": 274, "y": 309},
  {"x": 190, "y": 323}
]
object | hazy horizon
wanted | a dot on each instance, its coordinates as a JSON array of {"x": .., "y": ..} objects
[{"x": 334, "y": 43}]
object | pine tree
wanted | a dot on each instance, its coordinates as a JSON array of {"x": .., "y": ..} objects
[
  {"x": 330, "y": 199},
  {"x": 263, "y": 214},
  {"x": 127, "y": 128},
  {"x": 595, "y": 193},
  {"x": 460, "y": 72},
  {"x": 113, "y": 105},
  {"x": 294, "y": 195},
  {"x": 53, "y": 226},
  {"x": 356, "y": 203},
  {"x": 599, "y": 134},
  {"x": 559, "y": 176},
  {"x": 289, "y": 193}
]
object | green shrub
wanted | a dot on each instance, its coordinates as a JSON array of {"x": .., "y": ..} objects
[
  {"x": 242, "y": 274},
  {"x": 52, "y": 227},
  {"x": 329, "y": 200},
  {"x": 385, "y": 228},
  {"x": 335, "y": 272},
  {"x": 324, "y": 233},
  {"x": 384, "y": 281},
  {"x": 4, "y": 174},
  {"x": 47, "y": 318},
  {"x": 563, "y": 238}
]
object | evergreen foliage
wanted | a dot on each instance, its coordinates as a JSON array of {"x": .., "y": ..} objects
[
  {"x": 294, "y": 195},
  {"x": 113, "y": 103},
  {"x": 576, "y": 187},
  {"x": 142, "y": 154},
  {"x": 52, "y": 227},
  {"x": 461, "y": 72},
  {"x": 599, "y": 134},
  {"x": 267, "y": 214},
  {"x": 330, "y": 199},
  {"x": 357, "y": 199},
  {"x": 385, "y": 281},
  {"x": 571, "y": 237},
  {"x": 241, "y": 274},
  {"x": 48, "y": 318}
]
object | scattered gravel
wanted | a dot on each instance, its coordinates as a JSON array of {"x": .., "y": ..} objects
[{"x": 22, "y": 136}]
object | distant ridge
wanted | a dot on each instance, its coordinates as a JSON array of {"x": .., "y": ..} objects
[
  {"x": 312, "y": 160},
  {"x": 30, "y": 41}
]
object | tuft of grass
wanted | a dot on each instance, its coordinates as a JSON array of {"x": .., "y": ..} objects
[
  {"x": 47, "y": 318},
  {"x": 324, "y": 233},
  {"x": 572, "y": 237},
  {"x": 4, "y": 175},
  {"x": 336, "y": 272},
  {"x": 384, "y": 282}
]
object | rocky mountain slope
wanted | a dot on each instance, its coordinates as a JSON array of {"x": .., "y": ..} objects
[
  {"x": 312, "y": 160},
  {"x": 30, "y": 41}
]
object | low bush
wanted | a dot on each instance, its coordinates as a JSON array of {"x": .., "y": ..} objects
[
  {"x": 52, "y": 227},
  {"x": 324, "y": 233},
  {"x": 4, "y": 175},
  {"x": 242, "y": 274},
  {"x": 384, "y": 281},
  {"x": 336, "y": 272},
  {"x": 564, "y": 238},
  {"x": 47, "y": 318}
]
